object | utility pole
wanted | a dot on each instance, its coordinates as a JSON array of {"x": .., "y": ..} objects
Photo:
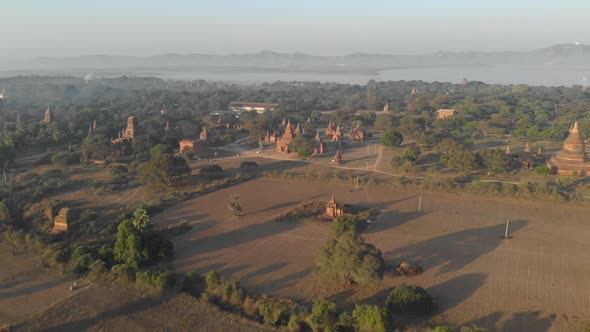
[
  {"x": 420, "y": 204},
  {"x": 506, "y": 231},
  {"x": 357, "y": 183}
]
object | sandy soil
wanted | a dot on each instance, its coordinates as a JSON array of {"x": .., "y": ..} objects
[
  {"x": 536, "y": 281},
  {"x": 25, "y": 288}
]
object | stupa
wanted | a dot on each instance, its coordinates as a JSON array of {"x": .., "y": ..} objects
[{"x": 571, "y": 160}]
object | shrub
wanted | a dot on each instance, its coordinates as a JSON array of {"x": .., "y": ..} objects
[
  {"x": 323, "y": 315},
  {"x": 475, "y": 328},
  {"x": 411, "y": 153},
  {"x": 270, "y": 314},
  {"x": 391, "y": 138},
  {"x": 97, "y": 269},
  {"x": 192, "y": 283},
  {"x": 248, "y": 165},
  {"x": 152, "y": 281},
  {"x": 441, "y": 329},
  {"x": 347, "y": 223},
  {"x": 410, "y": 300},
  {"x": 88, "y": 215},
  {"x": 65, "y": 158},
  {"x": 370, "y": 318},
  {"x": 345, "y": 321},
  {"x": 124, "y": 272}
]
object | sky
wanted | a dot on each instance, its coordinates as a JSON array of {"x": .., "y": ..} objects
[{"x": 59, "y": 28}]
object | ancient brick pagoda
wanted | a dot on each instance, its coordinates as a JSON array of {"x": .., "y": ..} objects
[
  {"x": 330, "y": 129},
  {"x": 386, "y": 108},
  {"x": 337, "y": 158},
  {"x": 572, "y": 159},
  {"x": 337, "y": 134},
  {"x": 285, "y": 140},
  {"x": 357, "y": 134},
  {"x": 48, "y": 118},
  {"x": 60, "y": 223},
  {"x": 318, "y": 147},
  {"x": 189, "y": 146},
  {"x": 332, "y": 209},
  {"x": 129, "y": 134},
  {"x": 203, "y": 134}
]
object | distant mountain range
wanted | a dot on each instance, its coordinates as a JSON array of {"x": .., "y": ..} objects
[{"x": 562, "y": 54}]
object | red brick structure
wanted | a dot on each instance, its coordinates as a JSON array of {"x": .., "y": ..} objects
[
  {"x": 386, "y": 108},
  {"x": 357, "y": 134},
  {"x": 332, "y": 209},
  {"x": 572, "y": 159},
  {"x": 48, "y": 118},
  {"x": 445, "y": 113},
  {"x": 190, "y": 146},
  {"x": 60, "y": 223},
  {"x": 330, "y": 129},
  {"x": 337, "y": 134},
  {"x": 337, "y": 158},
  {"x": 319, "y": 147},
  {"x": 203, "y": 134},
  {"x": 285, "y": 140}
]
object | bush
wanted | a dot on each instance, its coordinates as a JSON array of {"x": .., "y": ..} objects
[
  {"x": 65, "y": 158},
  {"x": 152, "y": 281},
  {"x": 193, "y": 283},
  {"x": 410, "y": 300},
  {"x": 542, "y": 170},
  {"x": 124, "y": 272},
  {"x": 323, "y": 315},
  {"x": 248, "y": 165},
  {"x": 411, "y": 154},
  {"x": 441, "y": 329},
  {"x": 391, "y": 138},
  {"x": 88, "y": 215},
  {"x": 97, "y": 269},
  {"x": 369, "y": 318},
  {"x": 347, "y": 223},
  {"x": 475, "y": 328}
]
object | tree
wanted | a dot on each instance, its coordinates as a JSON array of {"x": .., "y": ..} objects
[
  {"x": 234, "y": 205},
  {"x": 302, "y": 146},
  {"x": 96, "y": 146},
  {"x": 323, "y": 315},
  {"x": 384, "y": 122},
  {"x": 409, "y": 299},
  {"x": 460, "y": 160},
  {"x": 350, "y": 260},
  {"x": 496, "y": 160},
  {"x": 411, "y": 154},
  {"x": 163, "y": 167},
  {"x": 391, "y": 138},
  {"x": 137, "y": 244},
  {"x": 370, "y": 318},
  {"x": 347, "y": 223}
]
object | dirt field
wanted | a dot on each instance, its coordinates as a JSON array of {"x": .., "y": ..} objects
[
  {"x": 25, "y": 288},
  {"x": 537, "y": 281}
]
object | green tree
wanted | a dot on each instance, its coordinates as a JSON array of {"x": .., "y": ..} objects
[
  {"x": 370, "y": 318},
  {"x": 496, "y": 160},
  {"x": 96, "y": 146},
  {"x": 411, "y": 154},
  {"x": 163, "y": 168},
  {"x": 460, "y": 160},
  {"x": 347, "y": 223},
  {"x": 348, "y": 259},
  {"x": 302, "y": 146},
  {"x": 323, "y": 315},
  {"x": 384, "y": 122},
  {"x": 409, "y": 299},
  {"x": 391, "y": 138}
]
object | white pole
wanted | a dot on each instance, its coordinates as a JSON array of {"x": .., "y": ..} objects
[
  {"x": 5, "y": 176},
  {"x": 420, "y": 203},
  {"x": 357, "y": 183},
  {"x": 506, "y": 232}
]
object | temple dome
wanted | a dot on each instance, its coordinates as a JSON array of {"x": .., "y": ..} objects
[{"x": 573, "y": 146}]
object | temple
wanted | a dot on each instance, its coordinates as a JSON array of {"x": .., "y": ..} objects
[
  {"x": 386, "y": 108},
  {"x": 318, "y": 147},
  {"x": 572, "y": 159},
  {"x": 203, "y": 134},
  {"x": 332, "y": 208},
  {"x": 357, "y": 134},
  {"x": 189, "y": 146},
  {"x": 285, "y": 140},
  {"x": 337, "y": 158},
  {"x": 60, "y": 223},
  {"x": 129, "y": 134},
  {"x": 48, "y": 119},
  {"x": 337, "y": 134},
  {"x": 330, "y": 129}
]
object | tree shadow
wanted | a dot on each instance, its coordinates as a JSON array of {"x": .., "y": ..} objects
[
  {"x": 515, "y": 322},
  {"x": 391, "y": 219},
  {"x": 452, "y": 292},
  {"x": 453, "y": 251},
  {"x": 230, "y": 271},
  {"x": 28, "y": 290},
  {"x": 287, "y": 280},
  {"x": 264, "y": 270},
  {"x": 126, "y": 309}
]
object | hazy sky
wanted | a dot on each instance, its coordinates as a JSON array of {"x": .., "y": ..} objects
[{"x": 32, "y": 28}]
